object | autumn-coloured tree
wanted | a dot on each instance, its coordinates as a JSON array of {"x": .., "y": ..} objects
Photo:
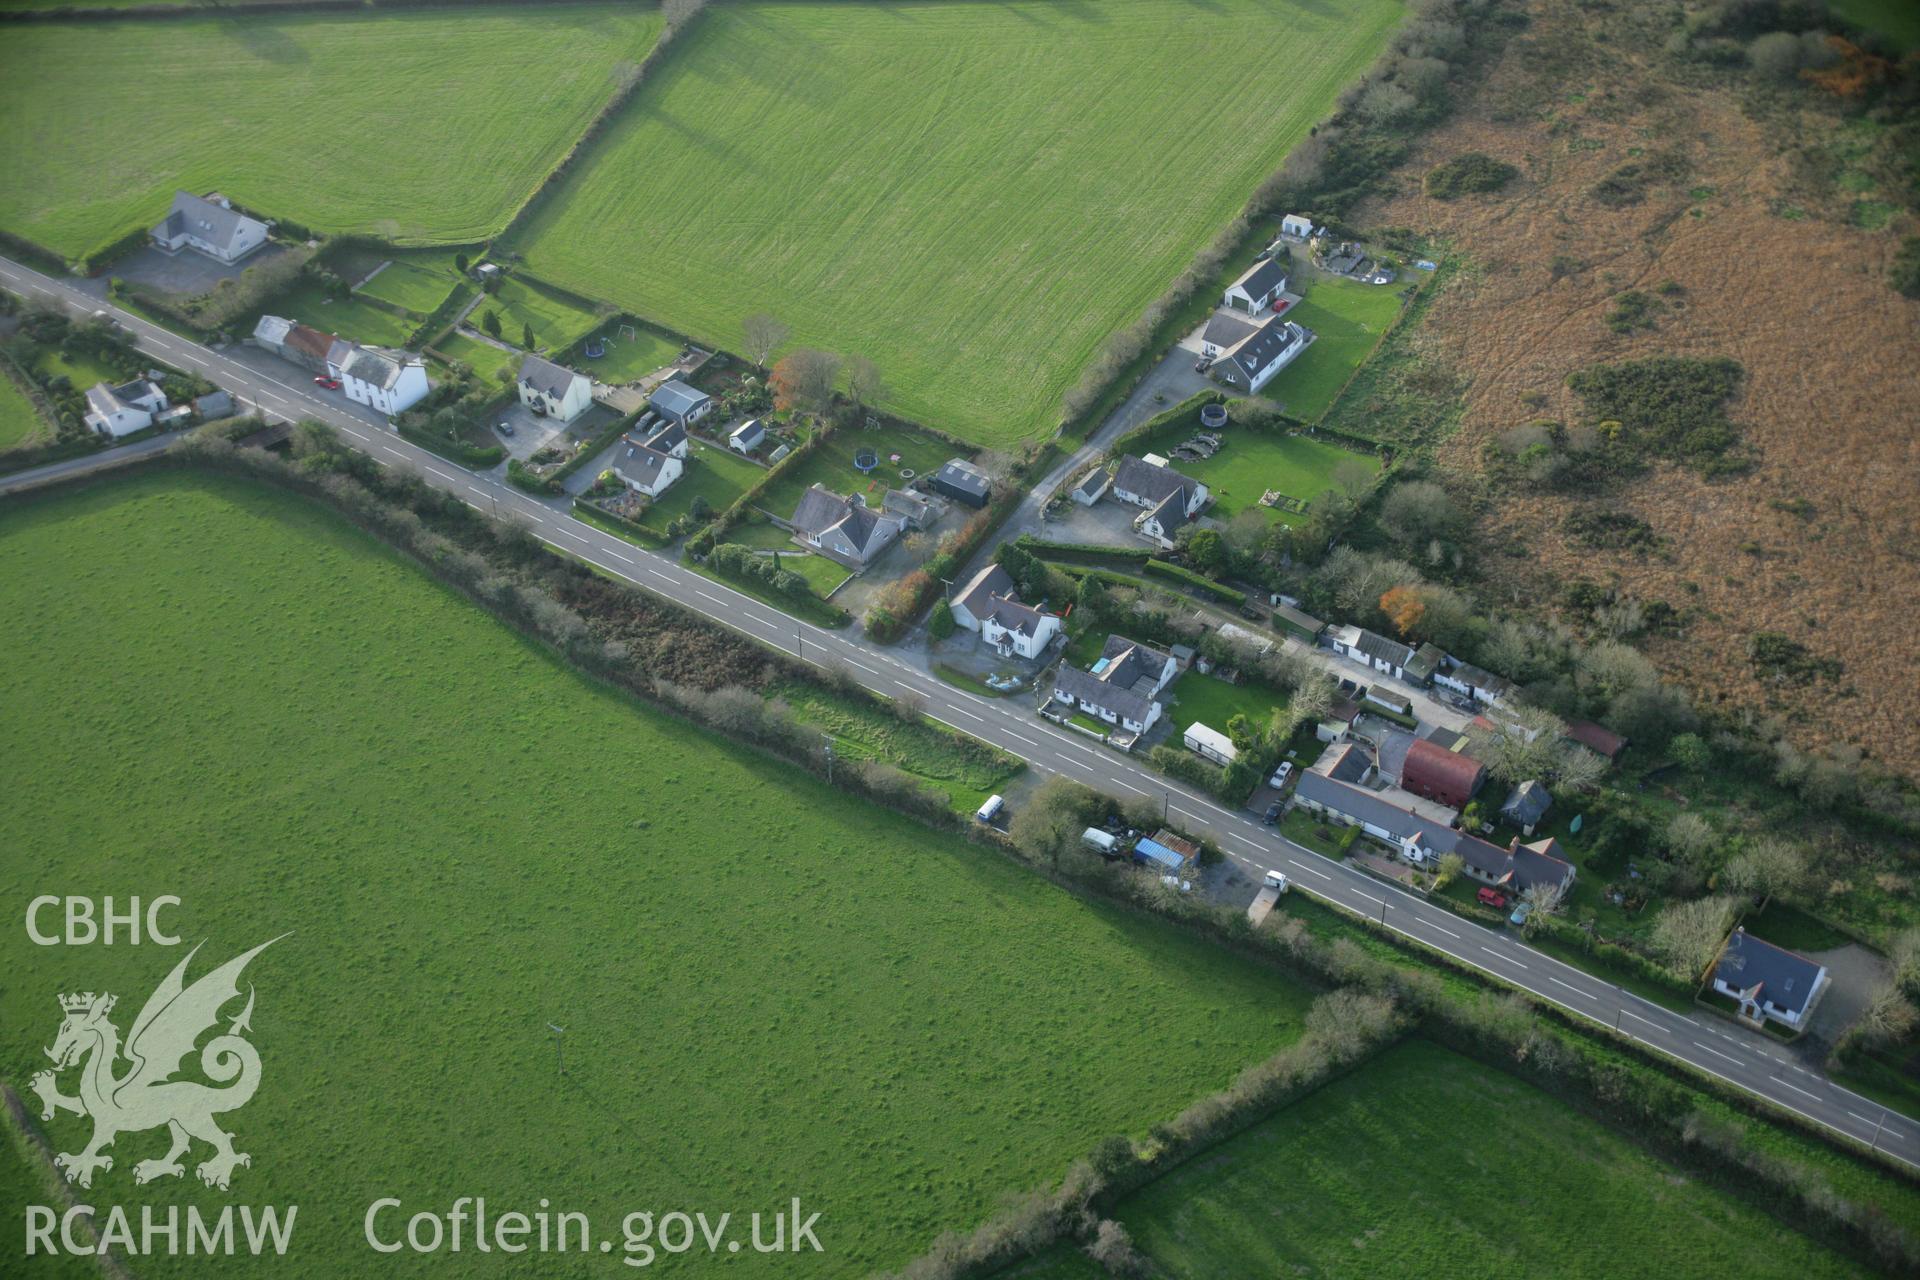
[
  {"x": 804, "y": 380},
  {"x": 1850, "y": 76},
  {"x": 1403, "y": 608}
]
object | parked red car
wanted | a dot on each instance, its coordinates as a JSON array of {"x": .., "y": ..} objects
[
  {"x": 1492, "y": 898},
  {"x": 331, "y": 384}
]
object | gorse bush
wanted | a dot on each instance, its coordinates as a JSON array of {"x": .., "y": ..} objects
[{"x": 1469, "y": 174}]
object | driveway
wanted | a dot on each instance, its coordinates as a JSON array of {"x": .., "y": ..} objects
[{"x": 187, "y": 272}]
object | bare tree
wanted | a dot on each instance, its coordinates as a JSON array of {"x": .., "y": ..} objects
[
  {"x": 1543, "y": 899},
  {"x": 909, "y": 706},
  {"x": 1580, "y": 769},
  {"x": 1767, "y": 868},
  {"x": 864, "y": 382},
  {"x": 1114, "y": 1250},
  {"x": 763, "y": 335},
  {"x": 1688, "y": 934},
  {"x": 1903, "y": 955},
  {"x": 1888, "y": 1018},
  {"x": 1691, "y": 836}
]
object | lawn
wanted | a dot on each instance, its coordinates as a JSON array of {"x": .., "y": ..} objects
[
  {"x": 831, "y": 464},
  {"x": 769, "y": 989},
  {"x": 630, "y": 359},
  {"x": 80, "y": 369},
  {"x": 418, "y": 282},
  {"x": 423, "y": 126},
  {"x": 1426, "y": 1163},
  {"x": 556, "y": 321},
  {"x": 1251, "y": 462},
  {"x": 825, "y": 574},
  {"x": 973, "y": 196},
  {"x": 19, "y": 420},
  {"x": 351, "y": 318},
  {"x": 715, "y": 473},
  {"x": 1347, "y": 318},
  {"x": 487, "y": 360},
  {"x": 1213, "y": 702}
]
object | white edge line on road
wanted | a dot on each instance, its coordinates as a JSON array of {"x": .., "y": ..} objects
[
  {"x": 302, "y": 397},
  {"x": 1716, "y": 1053}
]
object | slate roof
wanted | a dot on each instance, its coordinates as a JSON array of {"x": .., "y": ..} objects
[
  {"x": 1128, "y": 661},
  {"x": 1151, "y": 481},
  {"x": 641, "y": 464},
  {"x": 749, "y": 433},
  {"x": 1228, "y": 330},
  {"x": 203, "y": 219},
  {"x": 1267, "y": 344},
  {"x": 375, "y": 367},
  {"x": 1262, "y": 277},
  {"x": 546, "y": 377},
  {"x": 1380, "y": 647},
  {"x": 1527, "y": 803},
  {"x": 215, "y": 404},
  {"x": 821, "y": 510},
  {"x": 1123, "y": 685},
  {"x": 669, "y": 436},
  {"x": 677, "y": 398},
  {"x": 1007, "y": 611},
  {"x": 1521, "y": 867},
  {"x": 1349, "y": 764},
  {"x": 1782, "y": 978},
  {"x": 977, "y": 593},
  {"x": 1094, "y": 483}
]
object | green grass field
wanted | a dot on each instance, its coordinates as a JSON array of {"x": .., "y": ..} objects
[
  {"x": 1347, "y": 318},
  {"x": 556, "y": 321},
  {"x": 825, "y": 574},
  {"x": 1053, "y": 169},
  {"x": 628, "y": 359},
  {"x": 418, "y": 282},
  {"x": 81, "y": 370},
  {"x": 428, "y": 126},
  {"x": 1251, "y": 462},
  {"x": 487, "y": 360},
  {"x": 1213, "y": 702},
  {"x": 1425, "y": 1163},
  {"x": 1899, "y": 20},
  {"x": 20, "y": 422},
  {"x": 351, "y": 317},
  {"x": 717, "y": 474},
  {"x": 770, "y": 990}
]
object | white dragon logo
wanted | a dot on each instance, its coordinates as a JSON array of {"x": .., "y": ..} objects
[{"x": 146, "y": 1095}]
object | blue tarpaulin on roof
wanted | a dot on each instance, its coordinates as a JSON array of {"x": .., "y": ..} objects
[{"x": 1158, "y": 854}]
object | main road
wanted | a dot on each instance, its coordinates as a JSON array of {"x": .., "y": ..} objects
[{"x": 1702, "y": 1041}]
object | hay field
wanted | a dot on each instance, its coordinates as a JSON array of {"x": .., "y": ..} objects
[{"x": 974, "y": 196}]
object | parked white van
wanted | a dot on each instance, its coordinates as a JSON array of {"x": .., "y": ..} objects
[
  {"x": 1099, "y": 841},
  {"x": 990, "y": 810}
]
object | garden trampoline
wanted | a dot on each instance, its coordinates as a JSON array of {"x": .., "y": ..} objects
[
  {"x": 1213, "y": 415},
  {"x": 865, "y": 460}
]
